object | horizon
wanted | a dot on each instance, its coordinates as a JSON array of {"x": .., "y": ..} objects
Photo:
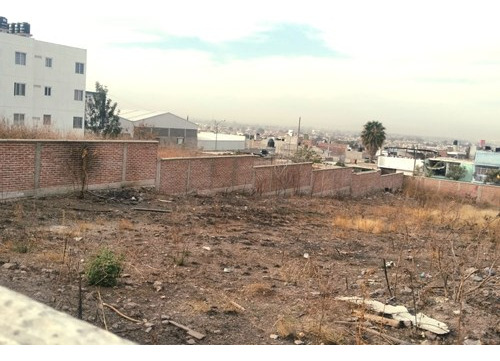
[{"x": 416, "y": 67}]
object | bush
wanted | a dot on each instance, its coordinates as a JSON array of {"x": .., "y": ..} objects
[
  {"x": 456, "y": 172},
  {"x": 104, "y": 269}
]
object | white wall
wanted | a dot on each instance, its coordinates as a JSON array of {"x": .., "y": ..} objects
[
  {"x": 402, "y": 164},
  {"x": 61, "y": 77}
]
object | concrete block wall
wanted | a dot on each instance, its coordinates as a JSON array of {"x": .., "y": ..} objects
[
  {"x": 480, "y": 193},
  {"x": 39, "y": 167}
]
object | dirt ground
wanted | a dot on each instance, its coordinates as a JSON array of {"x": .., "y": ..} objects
[{"x": 250, "y": 270}]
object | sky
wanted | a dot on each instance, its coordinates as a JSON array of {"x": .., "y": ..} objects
[{"x": 426, "y": 68}]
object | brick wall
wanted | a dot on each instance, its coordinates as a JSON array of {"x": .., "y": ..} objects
[
  {"x": 279, "y": 179},
  {"x": 480, "y": 193},
  {"x": 336, "y": 181},
  {"x": 37, "y": 167},
  {"x": 364, "y": 183},
  {"x": 205, "y": 174},
  {"x": 392, "y": 181}
]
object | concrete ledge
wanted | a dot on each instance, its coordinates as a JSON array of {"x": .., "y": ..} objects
[{"x": 24, "y": 321}]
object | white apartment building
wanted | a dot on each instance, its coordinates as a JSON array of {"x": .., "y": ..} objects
[{"x": 42, "y": 84}]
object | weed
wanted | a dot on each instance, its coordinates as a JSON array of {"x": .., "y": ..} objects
[{"x": 104, "y": 268}]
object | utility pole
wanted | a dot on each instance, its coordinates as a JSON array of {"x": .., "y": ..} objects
[
  {"x": 217, "y": 123},
  {"x": 298, "y": 135}
]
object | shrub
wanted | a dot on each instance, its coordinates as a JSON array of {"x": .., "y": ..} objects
[
  {"x": 104, "y": 268},
  {"x": 456, "y": 172}
]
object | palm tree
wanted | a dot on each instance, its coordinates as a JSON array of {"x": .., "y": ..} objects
[{"x": 373, "y": 136}]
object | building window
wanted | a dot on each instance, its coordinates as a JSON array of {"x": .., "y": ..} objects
[
  {"x": 19, "y": 89},
  {"x": 78, "y": 95},
  {"x": 48, "y": 91},
  {"x": 79, "y": 68},
  {"x": 77, "y": 122},
  {"x": 18, "y": 119},
  {"x": 47, "y": 119},
  {"x": 20, "y": 58},
  {"x": 48, "y": 62}
]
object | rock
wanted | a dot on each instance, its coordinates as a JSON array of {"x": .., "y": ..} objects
[
  {"x": 406, "y": 290},
  {"x": 190, "y": 341},
  {"x": 9, "y": 266},
  {"x": 273, "y": 336},
  {"x": 149, "y": 324},
  {"x": 477, "y": 278},
  {"x": 430, "y": 335},
  {"x": 77, "y": 239},
  {"x": 165, "y": 317},
  {"x": 306, "y": 255},
  {"x": 377, "y": 293},
  {"x": 472, "y": 342},
  {"x": 488, "y": 271},
  {"x": 158, "y": 286},
  {"x": 470, "y": 270},
  {"x": 298, "y": 342},
  {"x": 217, "y": 332},
  {"x": 227, "y": 270},
  {"x": 148, "y": 330},
  {"x": 131, "y": 305}
]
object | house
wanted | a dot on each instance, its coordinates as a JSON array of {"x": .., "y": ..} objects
[
  {"x": 41, "y": 84},
  {"x": 485, "y": 162},
  {"x": 168, "y": 128}
]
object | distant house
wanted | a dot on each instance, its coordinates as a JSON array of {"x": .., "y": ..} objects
[
  {"x": 168, "y": 128},
  {"x": 485, "y": 162}
]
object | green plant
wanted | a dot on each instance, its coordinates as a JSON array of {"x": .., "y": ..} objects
[
  {"x": 493, "y": 176},
  {"x": 456, "y": 172},
  {"x": 104, "y": 268}
]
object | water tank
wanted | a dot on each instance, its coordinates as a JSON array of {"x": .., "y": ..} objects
[{"x": 24, "y": 28}]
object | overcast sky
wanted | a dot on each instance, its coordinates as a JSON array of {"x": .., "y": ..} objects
[{"x": 419, "y": 67}]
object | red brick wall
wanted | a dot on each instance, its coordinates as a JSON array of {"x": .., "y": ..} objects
[
  {"x": 31, "y": 167},
  {"x": 332, "y": 181},
  {"x": 141, "y": 161},
  {"x": 392, "y": 181},
  {"x": 283, "y": 178},
  {"x": 364, "y": 183},
  {"x": 17, "y": 166},
  {"x": 181, "y": 175},
  {"x": 480, "y": 193}
]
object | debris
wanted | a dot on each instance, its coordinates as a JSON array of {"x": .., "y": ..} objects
[
  {"x": 378, "y": 319},
  {"x": 401, "y": 313},
  {"x": 153, "y": 210},
  {"x": 164, "y": 201},
  {"x": 237, "y": 305},
  {"x": 274, "y": 336},
  {"x": 206, "y": 248},
  {"x": 121, "y": 314},
  {"x": 489, "y": 271},
  {"x": 158, "y": 286},
  {"x": 227, "y": 270},
  {"x": 387, "y": 337},
  {"x": 190, "y": 332},
  {"x": 389, "y": 264},
  {"x": 306, "y": 255},
  {"x": 9, "y": 266},
  {"x": 148, "y": 330},
  {"x": 77, "y": 239},
  {"x": 477, "y": 278},
  {"x": 298, "y": 342}
]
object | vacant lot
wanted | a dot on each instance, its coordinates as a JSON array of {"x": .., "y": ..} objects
[{"x": 259, "y": 270}]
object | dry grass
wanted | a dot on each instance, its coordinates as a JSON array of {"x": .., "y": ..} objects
[
  {"x": 286, "y": 327},
  {"x": 361, "y": 224},
  {"x": 199, "y": 306},
  {"x": 125, "y": 225},
  {"x": 257, "y": 289},
  {"x": 178, "y": 152}
]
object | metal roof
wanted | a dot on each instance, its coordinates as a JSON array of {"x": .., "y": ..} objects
[{"x": 156, "y": 119}]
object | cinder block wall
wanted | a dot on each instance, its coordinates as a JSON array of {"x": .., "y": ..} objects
[{"x": 39, "y": 167}]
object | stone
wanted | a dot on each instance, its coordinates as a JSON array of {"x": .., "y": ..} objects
[
  {"x": 190, "y": 341},
  {"x": 273, "y": 336},
  {"x": 477, "y": 278},
  {"x": 158, "y": 286},
  {"x": 165, "y": 317},
  {"x": 148, "y": 330},
  {"x": 472, "y": 342},
  {"x": 298, "y": 342},
  {"x": 9, "y": 266}
]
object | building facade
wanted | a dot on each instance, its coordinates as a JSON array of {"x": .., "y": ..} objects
[{"x": 42, "y": 84}]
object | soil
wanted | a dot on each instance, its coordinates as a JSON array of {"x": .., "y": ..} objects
[{"x": 250, "y": 270}]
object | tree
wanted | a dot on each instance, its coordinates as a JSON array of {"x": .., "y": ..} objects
[
  {"x": 456, "y": 171},
  {"x": 373, "y": 136},
  {"x": 493, "y": 176},
  {"x": 102, "y": 116}
]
